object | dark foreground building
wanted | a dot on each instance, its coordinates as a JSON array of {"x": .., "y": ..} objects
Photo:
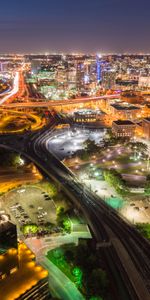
[{"x": 20, "y": 276}]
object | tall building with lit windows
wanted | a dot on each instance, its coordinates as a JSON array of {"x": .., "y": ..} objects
[
  {"x": 98, "y": 68},
  {"x": 79, "y": 75},
  {"x": 108, "y": 79},
  {"x": 20, "y": 277}
]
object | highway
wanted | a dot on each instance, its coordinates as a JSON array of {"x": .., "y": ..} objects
[
  {"x": 129, "y": 251},
  {"x": 14, "y": 91},
  {"x": 52, "y": 103}
]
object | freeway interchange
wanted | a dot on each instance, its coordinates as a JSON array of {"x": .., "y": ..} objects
[{"x": 127, "y": 250}]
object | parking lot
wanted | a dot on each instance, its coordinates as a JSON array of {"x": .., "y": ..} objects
[{"x": 28, "y": 205}]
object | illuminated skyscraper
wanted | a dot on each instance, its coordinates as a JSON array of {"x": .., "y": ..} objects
[
  {"x": 79, "y": 75},
  {"x": 98, "y": 64},
  {"x": 108, "y": 79}
]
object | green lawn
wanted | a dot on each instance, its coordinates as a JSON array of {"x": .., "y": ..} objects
[{"x": 144, "y": 229}]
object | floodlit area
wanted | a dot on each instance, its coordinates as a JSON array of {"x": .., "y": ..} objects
[
  {"x": 135, "y": 208},
  {"x": 137, "y": 211},
  {"x": 99, "y": 186},
  {"x": 130, "y": 162},
  {"x": 66, "y": 142},
  {"x": 132, "y": 165}
]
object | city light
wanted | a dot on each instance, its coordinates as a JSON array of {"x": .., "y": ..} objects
[{"x": 74, "y": 175}]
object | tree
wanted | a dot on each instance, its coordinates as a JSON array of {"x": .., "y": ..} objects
[
  {"x": 91, "y": 146},
  {"x": 147, "y": 187},
  {"x": 66, "y": 225},
  {"x": 138, "y": 145},
  {"x": 31, "y": 228},
  {"x": 78, "y": 276},
  {"x": 60, "y": 211},
  {"x": 69, "y": 256},
  {"x": 144, "y": 229},
  {"x": 115, "y": 180},
  {"x": 82, "y": 255}
]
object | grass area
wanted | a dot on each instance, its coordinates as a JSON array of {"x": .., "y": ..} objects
[
  {"x": 125, "y": 165},
  {"x": 114, "y": 179},
  {"x": 126, "y": 159},
  {"x": 57, "y": 257},
  {"x": 144, "y": 230}
]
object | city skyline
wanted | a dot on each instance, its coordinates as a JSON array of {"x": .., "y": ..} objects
[
  {"x": 75, "y": 150},
  {"x": 64, "y": 26},
  {"x": 74, "y": 177}
]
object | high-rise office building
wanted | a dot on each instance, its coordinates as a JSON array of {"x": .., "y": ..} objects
[
  {"x": 79, "y": 75},
  {"x": 98, "y": 68},
  {"x": 108, "y": 79}
]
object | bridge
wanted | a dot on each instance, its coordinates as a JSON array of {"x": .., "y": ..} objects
[{"x": 51, "y": 103}]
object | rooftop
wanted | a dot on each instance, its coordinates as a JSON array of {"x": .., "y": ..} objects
[
  {"x": 123, "y": 122},
  {"x": 147, "y": 119},
  {"x": 122, "y": 107},
  {"x": 88, "y": 112},
  {"x": 24, "y": 278}
]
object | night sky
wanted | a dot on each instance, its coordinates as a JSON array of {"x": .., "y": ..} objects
[{"x": 79, "y": 25}]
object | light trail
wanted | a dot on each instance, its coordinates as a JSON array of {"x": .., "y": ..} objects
[{"x": 14, "y": 91}]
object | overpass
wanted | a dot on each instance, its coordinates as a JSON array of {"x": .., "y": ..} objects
[{"x": 54, "y": 103}]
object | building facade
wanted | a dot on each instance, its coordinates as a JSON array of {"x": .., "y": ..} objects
[
  {"x": 125, "y": 112},
  {"x": 146, "y": 128},
  {"x": 88, "y": 116},
  {"x": 108, "y": 79},
  {"x": 123, "y": 128}
]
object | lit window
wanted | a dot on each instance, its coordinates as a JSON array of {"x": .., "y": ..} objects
[
  {"x": 13, "y": 270},
  {"x": 4, "y": 276}
]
